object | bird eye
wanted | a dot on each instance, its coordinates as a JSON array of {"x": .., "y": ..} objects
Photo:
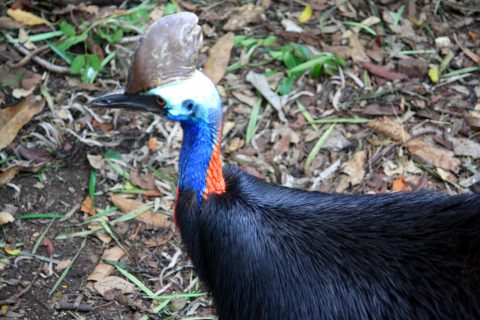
[
  {"x": 160, "y": 101},
  {"x": 190, "y": 106}
]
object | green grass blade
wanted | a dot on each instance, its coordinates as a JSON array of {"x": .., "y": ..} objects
[
  {"x": 41, "y": 36},
  {"x": 398, "y": 15},
  {"x": 65, "y": 272},
  {"x": 316, "y": 149},
  {"x": 252, "y": 121},
  {"x": 361, "y": 26},
  {"x": 307, "y": 115},
  {"x": 30, "y": 216},
  {"x": 41, "y": 237},
  {"x": 310, "y": 64},
  {"x": 135, "y": 281},
  {"x": 61, "y": 53},
  {"x": 461, "y": 71},
  {"x": 91, "y": 184}
]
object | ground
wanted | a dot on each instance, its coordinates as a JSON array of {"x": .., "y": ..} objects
[{"x": 394, "y": 109}]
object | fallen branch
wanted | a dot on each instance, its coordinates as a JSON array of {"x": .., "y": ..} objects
[
  {"x": 28, "y": 57},
  {"x": 42, "y": 62}
]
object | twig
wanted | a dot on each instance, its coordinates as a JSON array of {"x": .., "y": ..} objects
[
  {"x": 14, "y": 299},
  {"x": 42, "y": 62},
  {"x": 28, "y": 57}
]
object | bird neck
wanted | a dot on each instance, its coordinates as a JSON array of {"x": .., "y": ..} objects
[{"x": 200, "y": 167}]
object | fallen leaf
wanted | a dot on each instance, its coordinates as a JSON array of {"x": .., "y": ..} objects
[
  {"x": 63, "y": 264},
  {"x": 22, "y": 93},
  {"x": 6, "y": 217},
  {"x": 96, "y": 161},
  {"x": 102, "y": 235},
  {"x": 103, "y": 270},
  {"x": 357, "y": 50},
  {"x": 437, "y": 157},
  {"x": 152, "y": 144},
  {"x": 87, "y": 206},
  {"x": 243, "y": 16},
  {"x": 26, "y": 18},
  {"x": 4, "y": 262},
  {"x": 218, "y": 57},
  {"x": 260, "y": 82},
  {"x": 31, "y": 81},
  {"x": 34, "y": 154},
  {"x": 353, "y": 170},
  {"x": 8, "y": 23},
  {"x": 291, "y": 26},
  {"x": 434, "y": 74},
  {"x": 400, "y": 185},
  {"x": 151, "y": 219},
  {"x": 7, "y": 175},
  {"x": 287, "y": 137},
  {"x": 145, "y": 181},
  {"x": 306, "y": 14},
  {"x": 12, "y": 250},
  {"x": 465, "y": 147},
  {"x": 12, "y": 119},
  {"x": 47, "y": 242},
  {"x": 113, "y": 283},
  {"x": 383, "y": 72},
  {"x": 446, "y": 175},
  {"x": 390, "y": 128},
  {"x": 234, "y": 144}
]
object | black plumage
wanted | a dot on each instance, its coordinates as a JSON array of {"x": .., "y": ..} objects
[{"x": 271, "y": 252}]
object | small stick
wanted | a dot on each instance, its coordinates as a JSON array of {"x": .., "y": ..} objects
[
  {"x": 27, "y": 58},
  {"x": 42, "y": 62},
  {"x": 81, "y": 307}
]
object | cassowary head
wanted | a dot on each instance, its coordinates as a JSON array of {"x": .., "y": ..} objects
[{"x": 163, "y": 79}]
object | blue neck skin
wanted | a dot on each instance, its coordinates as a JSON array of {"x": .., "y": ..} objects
[{"x": 199, "y": 140}]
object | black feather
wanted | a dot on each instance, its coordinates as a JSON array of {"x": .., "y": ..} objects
[{"x": 271, "y": 252}]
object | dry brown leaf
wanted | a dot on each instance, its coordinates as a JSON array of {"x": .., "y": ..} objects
[
  {"x": 87, "y": 206},
  {"x": 113, "y": 283},
  {"x": 6, "y": 217},
  {"x": 145, "y": 181},
  {"x": 25, "y": 17},
  {"x": 438, "y": 157},
  {"x": 12, "y": 119},
  {"x": 357, "y": 50},
  {"x": 354, "y": 171},
  {"x": 7, "y": 175},
  {"x": 9, "y": 23},
  {"x": 63, "y": 264},
  {"x": 151, "y": 219},
  {"x": 234, "y": 144},
  {"x": 218, "y": 57},
  {"x": 103, "y": 270},
  {"x": 96, "y": 161},
  {"x": 390, "y": 128},
  {"x": 152, "y": 143},
  {"x": 383, "y": 72},
  {"x": 47, "y": 242},
  {"x": 101, "y": 235},
  {"x": 400, "y": 185},
  {"x": 465, "y": 147},
  {"x": 243, "y": 16}
]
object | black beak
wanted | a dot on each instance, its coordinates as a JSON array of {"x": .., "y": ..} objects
[{"x": 119, "y": 100}]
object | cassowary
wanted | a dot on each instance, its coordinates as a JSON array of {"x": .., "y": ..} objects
[{"x": 271, "y": 252}]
